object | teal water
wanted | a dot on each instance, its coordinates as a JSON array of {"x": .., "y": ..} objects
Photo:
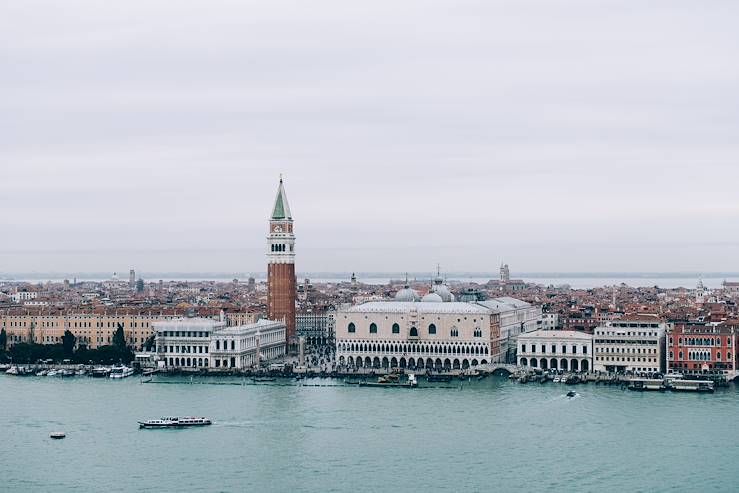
[{"x": 492, "y": 435}]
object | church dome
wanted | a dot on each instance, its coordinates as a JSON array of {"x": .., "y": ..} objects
[
  {"x": 443, "y": 292},
  {"x": 406, "y": 294},
  {"x": 432, "y": 298}
]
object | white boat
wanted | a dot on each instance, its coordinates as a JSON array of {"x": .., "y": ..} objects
[
  {"x": 121, "y": 372},
  {"x": 13, "y": 370},
  {"x": 184, "y": 422},
  {"x": 41, "y": 373},
  {"x": 54, "y": 373}
]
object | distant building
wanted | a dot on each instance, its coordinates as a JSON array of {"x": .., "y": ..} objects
[
  {"x": 201, "y": 343},
  {"x": 505, "y": 273},
  {"x": 131, "y": 278},
  {"x": 634, "y": 344},
  {"x": 317, "y": 328},
  {"x": 20, "y": 296},
  {"x": 556, "y": 349},
  {"x": 516, "y": 317},
  {"x": 140, "y": 286},
  {"x": 701, "y": 348},
  {"x": 408, "y": 334}
]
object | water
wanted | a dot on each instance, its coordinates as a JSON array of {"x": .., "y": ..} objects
[{"x": 491, "y": 435}]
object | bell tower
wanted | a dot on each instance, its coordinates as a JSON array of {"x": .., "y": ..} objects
[{"x": 281, "y": 289}]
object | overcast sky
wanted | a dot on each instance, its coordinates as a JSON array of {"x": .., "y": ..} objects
[{"x": 553, "y": 135}]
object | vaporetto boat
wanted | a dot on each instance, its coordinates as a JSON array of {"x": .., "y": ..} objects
[
  {"x": 121, "y": 372},
  {"x": 175, "y": 422}
]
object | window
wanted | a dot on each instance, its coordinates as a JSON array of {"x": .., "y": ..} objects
[
  {"x": 373, "y": 328},
  {"x": 352, "y": 329},
  {"x": 454, "y": 333},
  {"x": 396, "y": 329},
  {"x": 478, "y": 332},
  {"x": 414, "y": 332},
  {"x": 523, "y": 348},
  {"x": 432, "y": 329}
]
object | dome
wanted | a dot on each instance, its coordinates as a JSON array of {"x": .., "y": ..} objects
[
  {"x": 444, "y": 293},
  {"x": 406, "y": 294},
  {"x": 432, "y": 297}
]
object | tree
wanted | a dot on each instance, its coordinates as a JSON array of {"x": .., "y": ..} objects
[
  {"x": 119, "y": 338},
  {"x": 68, "y": 342},
  {"x": 150, "y": 342},
  {"x": 3, "y": 340}
]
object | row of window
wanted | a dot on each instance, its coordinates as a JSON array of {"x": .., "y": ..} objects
[
  {"x": 454, "y": 332},
  {"x": 185, "y": 349},
  {"x": 183, "y": 333},
  {"x": 626, "y": 350},
  {"x": 280, "y": 247},
  {"x": 701, "y": 341},
  {"x": 700, "y": 355},
  {"x": 616, "y": 358},
  {"x": 554, "y": 349}
]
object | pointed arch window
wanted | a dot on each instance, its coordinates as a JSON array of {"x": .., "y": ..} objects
[
  {"x": 414, "y": 332},
  {"x": 373, "y": 328},
  {"x": 352, "y": 328},
  {"x": 396, "y": 329},
  {"x": 432, "y": 329}
]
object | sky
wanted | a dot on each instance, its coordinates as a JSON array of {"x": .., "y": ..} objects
[{"x": 554, "y": 135}]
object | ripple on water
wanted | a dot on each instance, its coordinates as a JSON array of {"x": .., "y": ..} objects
[{"x": 491, "y": 434}]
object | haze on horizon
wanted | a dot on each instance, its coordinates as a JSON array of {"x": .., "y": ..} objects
[{"x": 557, "y": 136}]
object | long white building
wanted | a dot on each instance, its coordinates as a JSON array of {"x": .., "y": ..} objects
[
  {"x": 567, "y": 350},
  {"x": 200, "y": 343},
  {"x": 410, "y": 334}
]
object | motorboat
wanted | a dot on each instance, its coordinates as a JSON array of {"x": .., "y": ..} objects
[
  {"x": 53, "y": 373},
  {"x": 42, "y": 373},
  {"x": 100, "y": 372},
  {"x": 175, "y": 422},
  {"x": 121, "y": 372},
  {"x": 13, "y": 370},
  {"x": 571, "y": 393},
  {"x": 57, "y": 435}
]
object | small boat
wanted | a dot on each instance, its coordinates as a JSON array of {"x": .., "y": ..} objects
[
  {"x": 53, "y": 373},
  {"x": 67, "y": 373},
  {"x": 100, "y": 372},
  {"x": 571, "y": 393},
  {"x": 121, "y": 372},
  {"x": 13, "y": 370},
  {"x": 389, "y": 381},
  {"x": 57, "y": 435},
  {"x": 41, "y": 373},
  {"x": 175, "y": 422}
]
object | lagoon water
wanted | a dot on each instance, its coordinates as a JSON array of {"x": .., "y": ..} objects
[{"x": 491, "y": 435}]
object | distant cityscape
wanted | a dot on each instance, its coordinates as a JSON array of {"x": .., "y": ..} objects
[{"x": 425, "y": 322}]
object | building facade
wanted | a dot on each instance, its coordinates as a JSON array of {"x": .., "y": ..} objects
[
  {"x": 566, "y": 350},
  {"x": 516, "y": 317},
  {"x": 281, "y": 282},
  {"x": 635, "y": 344},
  {"x": 201, "y": 343},
  {"x": 703, "y": 348},
  {"x": 417, "y": 335},
  {"x": 247, "y": 346},
  {"x": 185, "y": 342},
  {"x": 316, "y": 327}
]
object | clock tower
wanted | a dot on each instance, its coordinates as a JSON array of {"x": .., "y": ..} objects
[{"x": 281, "y": 289}]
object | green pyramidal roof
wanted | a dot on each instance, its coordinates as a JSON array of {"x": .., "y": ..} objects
[{"x": 281, "y": 210}]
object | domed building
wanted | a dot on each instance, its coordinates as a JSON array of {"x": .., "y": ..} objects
[
  {"x": 407, "y": 294},
  {"x": 432, "y": 298}
]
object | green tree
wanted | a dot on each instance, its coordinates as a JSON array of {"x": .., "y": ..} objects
[
  {"x": 119, "y": 338},
  {"x": 150, "y": 342},
  {"x": 3, "y": 340},
  {"x": 68, "y": 342}
]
